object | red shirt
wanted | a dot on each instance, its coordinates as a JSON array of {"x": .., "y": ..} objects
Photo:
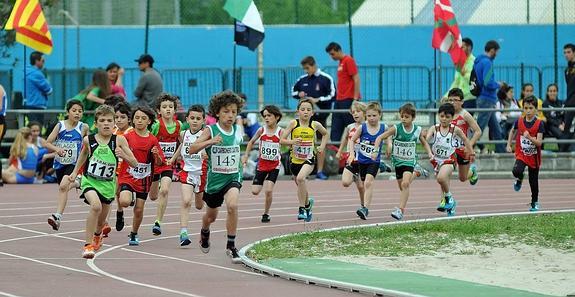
[
  {"x": 525, "y": 149},
  {"x": 459, "y": 121},
  {"x": 345, "y": 72},
  {"x": 270, "y": 153},
  {"x": 140, "y": 177}
]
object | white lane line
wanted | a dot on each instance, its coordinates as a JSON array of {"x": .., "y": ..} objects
[
  {"x": 8, "y": 294},
  {"x": 83, "y": 260},
  {"x": 49, "y": 264}
]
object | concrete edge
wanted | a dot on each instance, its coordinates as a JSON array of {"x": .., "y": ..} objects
[{"x": 351, "y": 287}]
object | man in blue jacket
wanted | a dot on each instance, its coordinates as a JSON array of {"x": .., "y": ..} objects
[
  {"x": 37, "y": 87},
  {"x": 488, "y": 98}
]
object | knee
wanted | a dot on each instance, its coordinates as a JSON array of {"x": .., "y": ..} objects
[
  {"x": 232, "y": 208},
  {"x": 368, "y": 183},
  {"x": 462, "y": 178},
  {"x": 268, "y": 193},
  {"x": 255, "y": 191},
  {"x": 96, "y": 207},
  {"x": 164, "y": 192},
  {"x": 404, "y": 185},
  {"x": 138, "y": 211},
  {"x": 300, "y": 180},
  {"x": 346, "y": 183},
  {"x": 186, "y": 203}
]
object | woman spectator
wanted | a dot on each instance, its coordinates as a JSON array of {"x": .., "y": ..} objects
[
  {"x": 23, "y": 159},
  {"x": 554, "y": 126},
  {"x": 116, "y": 78},
  {"x": 506, "y": 101},
  {"x": 93, "y": 96},
  {"x": 45, "y": 158}
]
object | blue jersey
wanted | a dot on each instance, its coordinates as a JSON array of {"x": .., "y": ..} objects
[
  {"x": 71, "y": 142},
  {"x": 366, "y": 145}
]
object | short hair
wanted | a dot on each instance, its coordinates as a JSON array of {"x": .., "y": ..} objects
[
  {"x": 148, "y": 111},
  {"x": 530, "y": 100},
  {"x": 197, "y": 108},
  {"x": 104, "y": 110},
  {"x": 333, "y": 46},
  {"x": 407, "y": 108},
  {"x": 358, "y": 105},
  {"x": 112, "y": 66},
  {"x": 73, "y": 102},
  {"x": 123, "y": 108},
  {"x": 223, "y": 99},
  {"x": 34, "y": 57},
  {"x": 373, "y": 105},
  {"x": 570, "y": 46},
  {"x": 491, "y": 44},
  {"x": 34, "y": 123},
  {"x": 273, "y": 110},
  {"x": 456, "y": 92},
  {"x": 242, "y": 95},
  {"x": 305, "y": 101},
  {"x": 446, "y": 108},
  {"x": 468, "y": 41},
  {"x": 113, "y": 100},
  {"x": 166, "y": 97},
  {"x": 309, "y": 60}
]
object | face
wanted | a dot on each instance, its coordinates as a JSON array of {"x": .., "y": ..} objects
[
  {"x": 495, "y": 52},
  {"x": 105, "y": 124},
  {"x": 122, "y": 121},
  {"x": 195, "y": 119},
  {"x": 456, "y": 101},
  {"x": 552, "y": 93},
  {"x": 335, "y": 55},
  {"x": 113, "y": 74},
  {"x": 35, "y": 131},
  {"x": 40, "y": 63},
  {"x": 167, "y": 109},
  {"x": 270, "y": 118},
  {"x": 309, "y": 69},
  {"x": 143, "y": 66},
  {"x": 75, "y": 113},
  {"x": 406, "y": 118},
  {"x": 569, "y": 55},
  {"x": 372, "y": 116},
  {"x": 227, "y": 114},
  {"x": 445, "y": 119},
  {"x": 141, "y": 120},
  {"x": 466, "y": 48},
  {"x": 358, "y": 115},
  {"x": 510, "y": 94},
  {"x": 305, "y": 111},
  {"x": 527, "y": 91},
  {"x": 529, "y": 110}
]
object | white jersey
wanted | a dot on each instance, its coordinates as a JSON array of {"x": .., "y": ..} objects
[
  {"x": 192, "y": 162},
  {"x": 443, "y": 148}
]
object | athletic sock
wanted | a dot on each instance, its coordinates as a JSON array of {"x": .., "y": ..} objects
[
  {"x": 58, "y": 216},
  {"x": 402, "y": 210},
  {"x": 183, "y": 230},
  {"x": 231, "y": 241}
]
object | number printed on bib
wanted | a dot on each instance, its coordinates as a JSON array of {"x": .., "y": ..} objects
[
  {"x": 366, "y": 149},
  {"x": 303, "y": 151},
  {"x": 270, "y": 151},
  {"x": 193, "y": 157},
  {"x": 404, "y": 150},
  {"x": 169, "y": 148},
  {"x": 141, "y": 171},
  {"x": 225, "y": 159},
  {"x": 70, "y": 152},
  {"x": 101, "y": 170},
  {"x": 442, "y": 152},
  {"x": 527, "y": 146}
]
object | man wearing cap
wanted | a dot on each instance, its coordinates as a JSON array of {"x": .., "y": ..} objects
[{"x": 150, "y": 84}]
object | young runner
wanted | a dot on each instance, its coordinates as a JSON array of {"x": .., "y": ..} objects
[
  {"x": 303, "y": 152},
  {"x": 403, "y": 153},
  {"x": 99, "y": 158},
  {"x": 368, "y": 167},
  {"x": 224, "y": 179},
  {"x": 123, "y": 118},
  {"x": 528, "y": 141},
  {"x": 442, "y": 138},
  {"x": 269, "y": 158}
]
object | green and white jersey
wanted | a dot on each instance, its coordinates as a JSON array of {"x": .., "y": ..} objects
[
  {"x": 100, "y": 168},
  {"x": 404, "y": 144},
  {"x": 224, "y": 163}
]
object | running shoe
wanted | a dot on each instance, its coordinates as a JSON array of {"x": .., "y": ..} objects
[
  {"x": 517, "y": 185},
  {"x": 119, "y": 220},
  {"x": 54, "y": 221},
  {"x": 441, "y": 206},
  {"x": 157, "y": 229},
  {"x": 321, "y": 175},
  {"x": 534, "y": 206},
  {"x": 184, "y": 239},
  {"x": 474, "y": 177},
  {"x": 308, "y": 209},
  {"x": 420, "y": 171},
  {"x": 106, "y": 230},
  {"x": 397, "y": 214},
  {"x": 302, "y": 214},
  {"x": 134, "y": 239},
  {"x": 265, "y": 218},
  {"x": 97, "y": 242},
  {"x": 384, "y": 167},
  {"x": 449, "y": 202},
  {"x": 232, "y": 252},
  {"x": 205, "y": 243},
  {"x": 362, "y": 213},
  {"x": 88, "y": 252},
  {"x": 451, "y": 211}
]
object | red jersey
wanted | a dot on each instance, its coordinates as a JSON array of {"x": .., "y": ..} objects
[
  {"x": 345, "y": 84},
  {"x": 117, "y": 131},
  {"x": 139, "y": 178},
  {"x": 525, "y": 149},
  {"x": 270, "y": 153},
  {"x": 459, "y": 121},
  {"x": 168, "y": 143}
]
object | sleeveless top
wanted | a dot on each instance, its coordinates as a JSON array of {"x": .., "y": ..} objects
[
  {"x": 443, "y": 148},
  {"x": 224, "y": 164},
  {"x": 404, "y": 145},
  {"x": 192, "y": 162},
  {"x": 305, "y": 150},
  {"x": 100, "y": 167},
  {"x": 270, "y": 153},
  {"x": 366, "y": 145},
  {"x": 71, "y": 142}
]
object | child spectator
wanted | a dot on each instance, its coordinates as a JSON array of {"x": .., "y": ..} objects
[{"x": 506, "y": 101}]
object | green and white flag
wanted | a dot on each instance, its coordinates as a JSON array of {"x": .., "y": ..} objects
[{"x": 249, "y": 29}]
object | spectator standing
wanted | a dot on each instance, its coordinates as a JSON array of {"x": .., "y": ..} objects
[
  {"x": 483, "y": 66},
  {"x": 3, "y": 108},
  {"x": 150, "y": 85},
  {"x": 347, "y": 89},
  {"x": 569, "y": 53},
  {"x": 462, "y": 77},
  {"x": 116, "y": 77},
  {"x": 318, "y": 87},
  {"x": 37, "y": 87},
  {"x": 554, "y": 126}
]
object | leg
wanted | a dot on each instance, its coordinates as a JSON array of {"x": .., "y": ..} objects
[
  {"x": 165, "y": 183},
  {"x": 187, "y": 192},
  {"x": 301, "y": 182},
  {"x": 463, "y": 172},
  {"x": 361, "y": 191},
  {"x": 482, "y": 117},
  {"x": 256, "y": 189},
  {"x": 346, "y": 178},
  {"x": 534, "y": 184},
  {"x": 9, "y": 176},
  {"x": 321, "y": 118},
  {"x": 268, "y": 191},
  {"x": 495, "y": 128},
  {"x": 368, "y": 183},
  {"x": 443, "y": 177},
  {"x": 320, "y": 163},
  {"x": 138, "y": 215},
  {"x": 404, "y": 184},
  {"x": 2, "y": 132},
  {"x": 231, "y": 198},
  {"x": 518, "y": 170},
  {"x": 93, "y": 215},
  {"x": 209, "y": 217},
  {"x": 154, "y": 189},
  {"x": 102, "y": 218}
]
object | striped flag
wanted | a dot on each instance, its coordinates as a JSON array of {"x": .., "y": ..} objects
[
  {"x": 248, "y": 29},
  {"x": 446, "y": 34},
  {"x": 30, "y": 24}
]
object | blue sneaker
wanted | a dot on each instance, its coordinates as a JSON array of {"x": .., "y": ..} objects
[
  {"x": 420, "y": 171},
  {"x": 474, "y": 177},
  {"x": 517, "y": 185},
  {"x": 321, "y": 175},
  {"x": 451, "y": 211},
  {"x": 384, "y": 167},
  {"x": 302, "y": 214},
  {"x": 184, "y": 239},
  {"x": 157, "y": 229},
  {"x": 534, "y": 206},
  {"x": 362, "y": 213},
  {"x": 308, "y": 211},
  {"x": 134, "y": 240},
  {"x": 449, "y": 203}
]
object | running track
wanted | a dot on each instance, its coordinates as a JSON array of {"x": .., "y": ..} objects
[{"x": 35, "y": 261}]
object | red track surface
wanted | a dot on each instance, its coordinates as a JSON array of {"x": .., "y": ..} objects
[{"x": 36, "y": 261}]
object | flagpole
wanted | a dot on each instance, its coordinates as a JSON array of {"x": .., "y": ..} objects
[
  {"x": 234, "y": 74},
  {"x": 440, "y": 93},
  {"x": 24, "y": 65}
]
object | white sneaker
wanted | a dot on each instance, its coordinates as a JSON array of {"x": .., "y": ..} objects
[{"x": 397, "y": 214}]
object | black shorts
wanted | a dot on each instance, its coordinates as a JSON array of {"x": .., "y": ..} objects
[
  {"x": 64, "y": 170},
  {"x": 139, "y": 195},
  {"x": 296, "y": 168},
  {"x": 165, "y": 173},
  {"x": 265, "y": 175},
  {"x": 103, "y": 199},
  {"x": 461, "y": 160},
  {"x": 353, "y": 167},
  {"x": 365, "y": 169},
  {"x": 216, "y": 200},
  {"x": 399, "y": 170}
]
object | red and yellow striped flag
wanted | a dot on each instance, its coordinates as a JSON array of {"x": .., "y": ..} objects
[{"x": 30, "y": 24}]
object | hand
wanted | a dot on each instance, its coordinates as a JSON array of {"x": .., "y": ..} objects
[
  {"x": 338, "y": 155},
  {"x": 155, "y": 151},
  {"x": 217, "y": 139},
  {"x": 61, "y": 152},
  {"x": 72, "y": 177},
  {"x": 313, "y": 100},
  {"x": 245, "y": 160},
  {"x": 296, "y": 141},
  {"x": 120, "y": 153},
  {"x": 204, "y": 156},
  {"x": 320, "y": 149},
  {"x": 508, "y": 148},
  {"x": 526, "y": 134},
  {"x": 388, "y": 151},
  {"x": 301, "y": 94},
  {"x": 121, "y": 72},
  {"x": 562, "y": 126},
  {"x": 374, "y": 155},
  {"x": 350, "y": 159},
  {"x": 431, "y": 156},
  {"x": 169, "y": 162}
]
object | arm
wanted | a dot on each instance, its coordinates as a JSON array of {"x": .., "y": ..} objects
[
  {"x": 510, "y": 139},
  {"x": 81, "y": 159},
  {"x": 123, "y": 151},
  {"x": 467, "y": 143},
  {"x": 343, "y": 143},
  {"x": 323, "y": 131},
  {"x": 331, "y": 90},
  {"x": 93, "y": 97},
  {"x": 489, "y": 82},
  {"x": 356, "y": 85},
  {"x": 385, "y": 135},
  {"x": 426, "y": 146},
  {"x": 286, "y": 133},
  {"x": 250, "y": 145},
  {"x": 474, "y": 126},
  {"x": 178, "y": 151},
  {"x": 120, "y": 80},
  {"x": 139, "y": 91},
  {"x": 354, "y": 139},
  {"x": 48, "y": 143},
  {"x": 38, "y": 79},
  {"x": 296, "y": 91},
  {"x": 204, "y": 141},
  {"x": 537, "y": 140},
  {"x": 2, "y": 93}
]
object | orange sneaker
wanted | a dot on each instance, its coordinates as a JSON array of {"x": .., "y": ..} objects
[
  {"x": 97, "y": 242},
  {"x": 106, "y": 230},
  {"x": 88, "y": 252}
]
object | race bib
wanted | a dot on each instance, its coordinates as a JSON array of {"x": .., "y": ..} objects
[
  {"x": 366, "y": 149},
  {"x": 457, "y": 142},
  {"x": 193, "y": 157},
  {"x": 270, "y": 150},
  {"x": 225, "y": 159},
  {"x": 101, "y": 170},
  {"x": 404, "y": 150},
  {"x": 303, "y": 151},
  {"x": 70, "y": 152},
  {"x": 442, "y": 151},
  {"x": 527, "y": 146},
  {"x": 169, "y": 148},
  {"x": 141, "y": 171}
]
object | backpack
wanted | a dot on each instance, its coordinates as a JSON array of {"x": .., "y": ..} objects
[{"x": 474, "y": 85}]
